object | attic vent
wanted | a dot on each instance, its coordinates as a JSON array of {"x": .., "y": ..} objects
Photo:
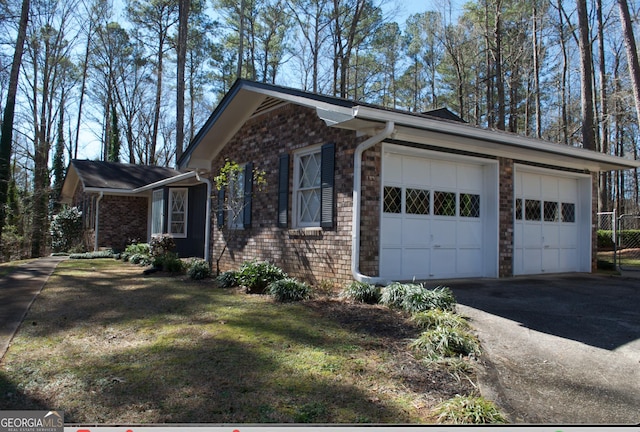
[{"x": 267, "y": 105}]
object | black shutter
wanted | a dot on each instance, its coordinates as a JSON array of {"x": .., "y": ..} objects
[
  {"x": 221, "y": 210},
  {"x": 327, "y": 178},
  {"x": 248, "y": 186},
  {"x": 283, "y": 192}
]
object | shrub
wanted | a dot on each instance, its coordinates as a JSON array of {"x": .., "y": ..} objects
[
  {"x": 92, "y": 255},
  {"x": 161, "y": 245},
  {"x": 289, "y": 289},
  {"x": 227, "y": 279},
  {"x": 257, "y": 275},
  {"x": 393, "y": 295},
  {"x": 169, "y": 262},
  {"x": 66, "y": 230},
  {"x": 444, "y": 341},
  {"x": 469, "y": 410},
  {"x": 137, "y": 248},
  {"x": 431, "y": 319},
  {"x": 418, "y": 299},
  {"x": 362, "y": 292},
  {"x": 140, "y": 259},
  {"x": 198, "y": 269},
  {"x": 605, "y": 240}
]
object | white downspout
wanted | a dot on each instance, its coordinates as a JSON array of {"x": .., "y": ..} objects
[
  {"x": 207, "y": 226},
  {"x": 97, "y": 230},
  {"x": 357, "y": 184}
]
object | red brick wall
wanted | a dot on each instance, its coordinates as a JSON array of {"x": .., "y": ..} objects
[
  {"x": 122, "y": 219},
  {"x": 311, "y": 255},
  {"x": 505, "y": 241},
  {"x": 370, "y": 211}
]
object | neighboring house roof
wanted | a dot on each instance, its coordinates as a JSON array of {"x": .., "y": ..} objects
[
  {"x": 115, "y": 177},
  {"x": 439, "y": 128}
]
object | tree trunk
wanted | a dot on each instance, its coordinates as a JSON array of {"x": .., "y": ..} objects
[
  {"x": 586, "y": 78},
  {"x": 6, "y": 136},
  {"x": 603, "y": 187},
  {"x": 632, "y": 52},
  {"x": 183, "y": 26}
]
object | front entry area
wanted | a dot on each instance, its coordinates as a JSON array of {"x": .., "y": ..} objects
[{"x": 439, "y": 215}]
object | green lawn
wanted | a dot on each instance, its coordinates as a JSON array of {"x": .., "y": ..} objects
[{"x": 105, "y": 344}]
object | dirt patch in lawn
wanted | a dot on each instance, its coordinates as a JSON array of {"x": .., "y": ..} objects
[{"x": 107, "y": 345}]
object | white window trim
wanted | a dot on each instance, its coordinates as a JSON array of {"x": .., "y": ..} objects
[
  {"x": 157, "y": 192},
  {"x": 186, "y": 212},
  {"x": 295, "y": 206}
]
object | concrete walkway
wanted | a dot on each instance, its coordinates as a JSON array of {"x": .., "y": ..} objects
[{"x": 18, "y": 290}]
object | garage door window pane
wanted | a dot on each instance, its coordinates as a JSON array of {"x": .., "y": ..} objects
[
  {"x": 417, "y": 201},
  {"x": 392, "y": 199},
  {"x": 444, "y": 204},
  {"x": 568, "y": 212},
  {"x": 532, "y": 210},
  {"x": 518, "y": 209},
  {"x": 551, "y": 211},
  {"x": 470, "y": 205}
]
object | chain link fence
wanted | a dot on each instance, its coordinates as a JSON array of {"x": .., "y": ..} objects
[{"x": 618, "y": 241}]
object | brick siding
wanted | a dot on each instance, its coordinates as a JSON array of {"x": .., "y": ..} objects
[
  {"x": 122, "y": 219},
  {"x": 505, "y": 245}
]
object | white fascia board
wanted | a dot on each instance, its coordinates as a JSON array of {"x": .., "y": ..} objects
[{"x": 504, "y": 144}]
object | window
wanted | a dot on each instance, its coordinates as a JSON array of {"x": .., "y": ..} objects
[
  {"x": 307, "y": 188},
  {"x": 518, "y": 208},
  {"x": 417, "y": 201},
  {"x": 178, "y": 212},
  {"x": 236, "y": 201},
  {"x": 532, "y": 210},
  {"x": 392, "y": 199},
  {"x": 568, "y": 212},
  {"x": 157, "y": 212},
  {"x": 469, "y": 205},
  {"x": 444, "y": 203},
  {"x": 550, "y": 211}
]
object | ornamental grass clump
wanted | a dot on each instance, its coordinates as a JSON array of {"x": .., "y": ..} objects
[
  {"x": 289, "y": 290},
  {"x": 416, "y": 298},
  {"x": 362, "y": 292},
  {"x": 444, "y": 341},
  {"x": 228, "y": 279},
  {"x": 393, "y": 295},
  {"x": 431, "y": 319},
  {"x": 469, "y": 410}
]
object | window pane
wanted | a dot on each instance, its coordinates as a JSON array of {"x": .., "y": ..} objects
[
  {"x": 310, "y": 206},
  {"x": 178, "y": 203},
  {"x": 417, "y": 201},
  {"x": 444, "y": 203},
  {"x": 310, "y": 171},
  {"x": 469, "y": 205},
  {"x": 518, "y": 208},
  {"x": 551, "y": 211},
  {"x": 392, "y": 199},
  {"x": 568, "y": 212},
  {"x": 156, "y": 212},
  {"x": 532, "y": 210}
]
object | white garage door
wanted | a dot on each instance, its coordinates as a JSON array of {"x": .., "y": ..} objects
[
  {"x": 432, "y": 218},
  {"x": 547, "y": 224}
]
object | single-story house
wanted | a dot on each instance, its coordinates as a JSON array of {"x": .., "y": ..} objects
[
  {"x": 125, "y": 203},
  {"x": 358, "y": 191}
]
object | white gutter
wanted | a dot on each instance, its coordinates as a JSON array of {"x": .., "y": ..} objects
[
  {"x": 207, "y": 226},
  {"x": 357, "y": 184},
  {"x": 97, "y": 230}
]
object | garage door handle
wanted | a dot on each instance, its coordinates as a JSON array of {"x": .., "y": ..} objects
[
  {"x": 437, "y": 246},
  {"x": 547, "y": 246}
]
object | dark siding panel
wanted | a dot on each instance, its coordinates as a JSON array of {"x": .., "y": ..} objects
[{"x": 193, "y": 244}]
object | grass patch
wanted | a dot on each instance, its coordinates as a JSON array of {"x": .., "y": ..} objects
[
  {"x": 10, "y": 266},
  {"x": 106, "y": 344}
]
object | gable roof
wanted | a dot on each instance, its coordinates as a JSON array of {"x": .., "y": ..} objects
[
  {"x": 114, "y": 177},
  {"x": 439, "y": 128}
]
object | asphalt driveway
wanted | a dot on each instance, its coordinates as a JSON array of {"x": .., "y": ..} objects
[{"x": 558, "y": 349}]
